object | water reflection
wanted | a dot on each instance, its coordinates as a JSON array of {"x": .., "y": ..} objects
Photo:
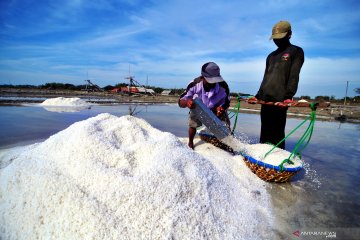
[
  {"x": 61, "y": 109},
  {"x": 39, "y": 123},
  {"x": 132, "y": 109}
]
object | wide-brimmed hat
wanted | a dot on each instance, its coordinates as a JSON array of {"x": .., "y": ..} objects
[
  {"x": 211, "y": 72},
  {"x": 280, "y": 30}
]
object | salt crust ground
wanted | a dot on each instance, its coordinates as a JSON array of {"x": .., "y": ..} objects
[{"x": 120, "y": 178}]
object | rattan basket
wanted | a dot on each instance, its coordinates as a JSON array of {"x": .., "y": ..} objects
[
  {"x": 214, "y": 141},
  {"x": 263, "y": 170},
  {"x": 269, "y": 172}
]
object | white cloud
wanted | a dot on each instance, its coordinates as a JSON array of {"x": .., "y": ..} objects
[
  {"x": 168, "y": 41},
  {"x": 115, "y": 37},
  {"x": 320, "y": 71}
]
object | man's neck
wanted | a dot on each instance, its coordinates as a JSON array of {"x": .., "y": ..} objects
[
  {"x": 208, "y": 86},
  {"x": 284, "y": 46}
]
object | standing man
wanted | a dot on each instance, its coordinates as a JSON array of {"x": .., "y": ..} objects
[
  {"x": 279, "y": 84},
  {"x": 213, "y": 91}
]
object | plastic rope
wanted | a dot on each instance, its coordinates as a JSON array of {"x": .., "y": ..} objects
[
  {"x": 305, "y": 137},
  {"x": 236, "y": 115}
]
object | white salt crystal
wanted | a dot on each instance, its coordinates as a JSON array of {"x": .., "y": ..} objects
[
  {"x": 64, "y": 102},
  {"x": 258, "y": 151},
  {"x": 275, "y": 157},
  {"x": 119, "y": 178}
]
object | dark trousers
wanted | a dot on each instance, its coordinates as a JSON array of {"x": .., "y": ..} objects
[{"x": 273, "y": 121}]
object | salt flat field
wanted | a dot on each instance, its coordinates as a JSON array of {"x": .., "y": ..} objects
[{"x": 99, "y": 172}]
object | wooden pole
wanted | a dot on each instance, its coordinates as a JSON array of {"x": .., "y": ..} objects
[{"x": 347, "y": 85}]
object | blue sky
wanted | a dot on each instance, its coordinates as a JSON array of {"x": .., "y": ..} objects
[{"x": 165, "y": 43}]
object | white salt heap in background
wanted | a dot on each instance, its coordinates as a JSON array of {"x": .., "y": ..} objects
[
  {"x": 64, "y": 102},
  {"x": 119, "y": 178},
  {"x": 61, "y": 104}
]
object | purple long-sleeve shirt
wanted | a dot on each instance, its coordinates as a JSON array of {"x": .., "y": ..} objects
[{"x": 214, "y": 97}]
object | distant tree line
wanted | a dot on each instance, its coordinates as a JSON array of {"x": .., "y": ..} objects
[
  {"x": 57, "y": 86},
  {"x": 17, "y": 86},
  {"x": 62, "y": 86},
  {"x": 158, "y": 90}
]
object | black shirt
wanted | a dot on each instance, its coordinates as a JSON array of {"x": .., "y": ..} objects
[{"x": 281, "y": 75}]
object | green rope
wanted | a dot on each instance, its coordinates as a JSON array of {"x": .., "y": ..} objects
[
  {"x": 237, "y": 107},
  {"x": 236, "y": 113},
  {"x": 300, "y": 146}
]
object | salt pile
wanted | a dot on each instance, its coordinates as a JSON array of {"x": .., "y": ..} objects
[
  {"x": 61, "y": 104},
  {"x": 275, "y": 157},
  {"x": 64, "y": 102},
  {"x": 120, "y": 178},
  {"x": 241, "y": 145}
]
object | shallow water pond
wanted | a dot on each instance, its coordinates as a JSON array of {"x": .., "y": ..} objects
[{"x": 323, "y": 197}]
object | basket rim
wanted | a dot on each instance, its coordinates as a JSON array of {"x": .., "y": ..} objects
[{"x": 267, "y": 165}]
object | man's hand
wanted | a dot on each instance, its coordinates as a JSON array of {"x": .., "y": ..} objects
[
  {"x": 252, "y": 100},
  {"x": 190, "y": 104},
  {"x": 285, "y": 103},
  {"x": 187, "y": 103},
  {"x": 220, "y": 111},
  {"x": 288, "y": 101}
]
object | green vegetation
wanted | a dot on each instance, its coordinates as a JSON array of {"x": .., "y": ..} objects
[{"x": 63, "y": 86}]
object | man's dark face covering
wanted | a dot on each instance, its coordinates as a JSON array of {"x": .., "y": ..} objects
[{"x": 282, "y": 42}]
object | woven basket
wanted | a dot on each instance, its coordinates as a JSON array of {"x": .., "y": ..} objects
[
  {"x": 269, "y": 174},
  {"x": 264, "y": 171},
  {"x": 214, "y": 141}
]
